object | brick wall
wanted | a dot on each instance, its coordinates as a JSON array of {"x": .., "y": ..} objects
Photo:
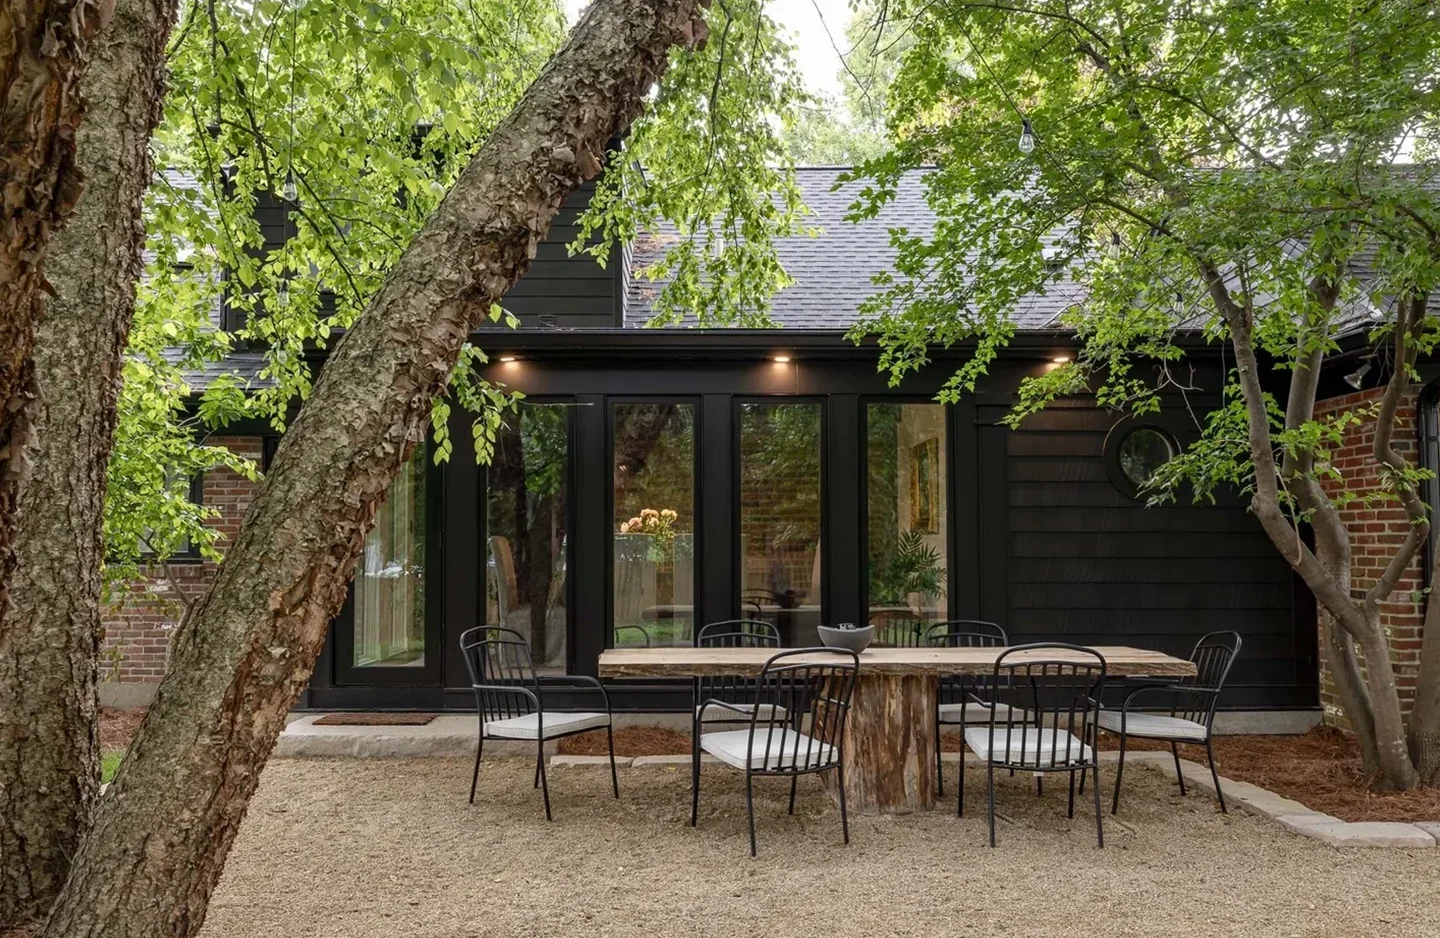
[
  {"x": 1376, "y": 531},
  {"x": 139, "y": 625}
]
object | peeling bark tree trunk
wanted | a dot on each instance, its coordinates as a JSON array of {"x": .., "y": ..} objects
[
  {"x": 1423, "y": 735},
  {"x": 49, "y": 633},
  {"x": 44, "y": 45},
  {"x": 160, "y": 837}
]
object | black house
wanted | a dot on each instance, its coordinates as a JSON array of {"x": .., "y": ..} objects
[{"x": 654, "y": 479}]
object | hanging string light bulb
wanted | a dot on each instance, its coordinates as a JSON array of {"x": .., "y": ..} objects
[
  {"x": 1027, "y": 136},
  {"x": 290, "y": 190}
]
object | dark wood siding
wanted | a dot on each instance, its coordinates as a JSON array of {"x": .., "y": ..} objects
[
  {"x": 1084, "y": 562},
  {"x": 565, "y": 291}
]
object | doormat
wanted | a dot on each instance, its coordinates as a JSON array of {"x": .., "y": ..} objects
[{"x": 375, "y": 719}]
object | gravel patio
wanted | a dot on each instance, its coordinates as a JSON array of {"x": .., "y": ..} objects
[{"x": 389, "y": 847}]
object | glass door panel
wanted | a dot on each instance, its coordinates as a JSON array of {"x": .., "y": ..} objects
[
  {"x": 780, "y": 510},
  {"x": 905, "y": 520},
  {"x": 389, "y": 585},
  {"x": 653, "y": 524},
  {"x": 527, "y": 525}
]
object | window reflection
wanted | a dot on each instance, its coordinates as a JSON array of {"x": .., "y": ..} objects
[
  {"x": 654, "y": 524},
  {"x": 526, "y": 513},
  {"x": 780, "y": 551},
  {"x": 390, "y": 577},
  {"x": 906, "y": 520}
]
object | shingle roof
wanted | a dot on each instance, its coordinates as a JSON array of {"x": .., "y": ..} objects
[{"x": 834, "y": 270}]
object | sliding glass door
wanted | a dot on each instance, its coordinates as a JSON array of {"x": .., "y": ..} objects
[
  {"x": 527, "y": 516},
  {"x": 652, "y": 531},
  {"x": 906, "y": 524},
  {"x": 779, "y": 515}
]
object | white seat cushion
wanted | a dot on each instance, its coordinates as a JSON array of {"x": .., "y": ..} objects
[
  {"x": 1037, "y": 746},
  {"x": 714, "y": 714},
  {"x": 1153, "y": 725},
  {"x": 974, "y": 712},
  {"x": 784, "y": 750},
  {"x": 556, "y": 724}
]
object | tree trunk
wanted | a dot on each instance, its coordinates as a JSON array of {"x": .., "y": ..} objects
[
  {"x": 44, "y": 45},
  {"x": 1423, "y": 733},
  {"x": 49, "y": 633},
  {"x": 889, "y": 746},
  {"x": 1395, "y": 766},
  {"x": 160, "y": 837}
]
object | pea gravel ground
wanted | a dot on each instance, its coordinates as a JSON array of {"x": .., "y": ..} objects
[{"x": 390, "y": 848}]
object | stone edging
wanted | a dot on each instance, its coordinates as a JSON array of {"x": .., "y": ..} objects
[{"x": 1290, "y": 814}]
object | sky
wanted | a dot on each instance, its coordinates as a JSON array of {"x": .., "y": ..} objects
[{"x": 807, "y": 21}]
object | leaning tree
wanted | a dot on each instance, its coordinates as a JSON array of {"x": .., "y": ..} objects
[
  {"x": 1261, "y": 173},
  {"x": 159, "y": 840}
]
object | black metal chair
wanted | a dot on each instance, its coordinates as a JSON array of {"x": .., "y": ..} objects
[
  {"x": 1192, "y": 702},
  {"x": 813, "y": 683},
  {"x": 644, "y": 638},
  {"x": 510, "y": 703},
  {"x": 732, "y": 698},
  {"x": 958, "y": 699},
  {"x": 1045, "y": 698}
]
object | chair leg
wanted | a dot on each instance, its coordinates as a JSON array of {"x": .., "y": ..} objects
[
  {"x": 793, "y": 780},
  {"x": 694, "y": 771},
  {"x": 1119, "y": 772},
  {"x": 1215, "y": 776},
  {"x": 1070, "y": 808},
  {"x": 939, "y": 763},
  {"x": 844, "y": 816},
  {"x": 1039, "y": 785},
  {"x": 475, "y": 776},
  {"x": 614, "y": 777},
  {"x": 544, "y": 785},
  {"x": 960, "y": 801},
  {"x": 750, "y": 809},
  {"x": 990, "y": 784},
  {"x": 1099, "y": 823},
  {"x": 1179, "y": 776},
  {"x": 539, "y": 761}
]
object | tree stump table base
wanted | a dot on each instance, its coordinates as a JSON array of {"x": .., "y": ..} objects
[{"x": 889, "y": 755}]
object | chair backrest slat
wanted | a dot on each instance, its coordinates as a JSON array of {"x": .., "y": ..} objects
[
  {"x": 1047, "y": 698},
  {"x": 1213, "y": 656},
  {"x": 801, "y": 708},
  {"x": 501, "y": 672},
  {"x": 732, "y": 633},
  {"x": 964, "y": 633}
]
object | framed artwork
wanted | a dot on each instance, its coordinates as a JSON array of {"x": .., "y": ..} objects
[{"x": 925, "y": 486}]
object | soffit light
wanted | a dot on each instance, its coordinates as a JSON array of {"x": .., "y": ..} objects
[
  {"x": 1061, "y": 359},
  {"x": 781, "y": 359},
  {"x": 507, "y": 359}
]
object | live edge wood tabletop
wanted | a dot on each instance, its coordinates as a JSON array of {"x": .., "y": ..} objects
[{"x": 889, "y": 747}]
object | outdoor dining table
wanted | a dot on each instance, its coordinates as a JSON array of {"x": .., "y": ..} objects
[{"x": 890, "y": 737}]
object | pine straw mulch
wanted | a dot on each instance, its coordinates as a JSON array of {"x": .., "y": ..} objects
[
  {"x": 118, "y": 726},
  {"x": 629, "y": 741},
  {"x": 1320, "y": 769}
]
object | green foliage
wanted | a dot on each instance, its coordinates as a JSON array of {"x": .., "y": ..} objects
[
  {"x": 708, "y": 163},
  {"x": 368, "y": 111},
  {"x": 911, "y": 566},
  {"x": 1251, "y": 154},
  {"x": 852, "y": 130}
]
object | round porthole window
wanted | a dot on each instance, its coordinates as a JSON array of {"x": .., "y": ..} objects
[{"x": 1141, "y": 451}]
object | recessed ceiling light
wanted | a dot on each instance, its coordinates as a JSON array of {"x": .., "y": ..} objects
[
  {"x": 1061, "y": 359},
  {"x": 781, "y": 359},
  {"x": 507, "y": 359}
]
